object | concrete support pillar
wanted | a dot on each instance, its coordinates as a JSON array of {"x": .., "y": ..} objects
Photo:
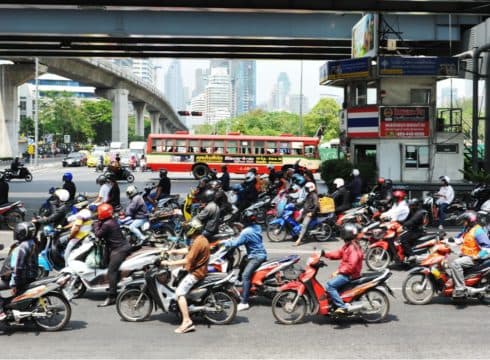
[
  {"x": 155, "y": 122},
  {"x": 164, "y": 125},
  {"x": 119, "y": 98},
  {"x": 139, "y": 109}
]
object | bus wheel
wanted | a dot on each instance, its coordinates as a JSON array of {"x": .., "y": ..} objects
[{"x": 200, "y": 170}]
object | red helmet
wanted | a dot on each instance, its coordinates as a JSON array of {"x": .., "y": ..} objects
[
  {"x": 399, "y": 195},
  {"x": 104, "y": 211},
  {"x": 381, "y": 181}
]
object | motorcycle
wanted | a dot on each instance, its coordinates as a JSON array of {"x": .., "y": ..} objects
[
  {"x": 479, "y": 195},
  {"x": 453, "y": 211},
  {"x": 12, "y": 213},
  {"x": 51, "y": 257},
  {"x": 367, "y": 296},
  {"x": 432, "y": 276},
  {"x": 44, "y": 302},
  {"x": 22, "y": 173},
  {"x": 319, "y": 229},
  {"x": 214, "y": 297},
  {"x": 123, "y": 174}
]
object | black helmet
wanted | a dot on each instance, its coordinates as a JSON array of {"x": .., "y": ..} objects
[
  {"x": 470, "y": 216},
  {"x": 414, "y": 203},
  {"x": 2, "y": 176},
  {"x": 249, "y": 217},
  {"x": 204, "y": 180},
  {"x": 388, "y": 183},
  {"x": 24, "y": 231},
  {"x": 101, "y": 180},
  {"x": 163, "y": 173},
  {"x": 253, "y": 171},
  {"x": 208, "y": 196},
  {"x": 349, "y": 232},
  {"x": 215, "y": 184}
]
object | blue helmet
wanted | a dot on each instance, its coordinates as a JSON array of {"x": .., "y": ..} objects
[
  {"x": 299, "y": 179},
  {"x": 68, "y": 176}
]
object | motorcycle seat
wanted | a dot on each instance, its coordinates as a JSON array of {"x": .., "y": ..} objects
[
  {"x": 211, "y": 278},
  {"x": 10, "y": 203},
  {"x": 364, "y": 278},
  {"x": 41, "y": 282},
  {"x": 478, "y": 267}
]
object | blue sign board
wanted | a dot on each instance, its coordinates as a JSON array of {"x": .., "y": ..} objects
[
  {"x": 346, "y": 69},
  {"x": 418, "y": 66}
]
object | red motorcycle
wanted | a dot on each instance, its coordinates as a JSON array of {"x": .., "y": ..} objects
[
  {"x": 432, "y": 276},
  {"x": 367, "y": 296},
  {"x": 12, "y": 213}
]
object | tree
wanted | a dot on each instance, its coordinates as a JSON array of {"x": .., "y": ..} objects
[
  {"x": 99, "y": 118},
  {"x": 26, "y": 126},
  {"x": 325, "y": 112}
]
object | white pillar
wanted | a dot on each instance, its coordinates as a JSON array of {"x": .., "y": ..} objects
[
  {"x": 155, "y": 123},
  {"x": 119, "y": 98},
  {"x": 139, "y": 108}
]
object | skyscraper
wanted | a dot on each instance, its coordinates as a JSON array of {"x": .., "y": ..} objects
[
  {"x": 144, "y": 69},
  {"x": 280, "y": 93},
  {"x": 218, "y": 95},
  {"x": 294, "y": 104},
  {"x": 201, "y": 78},
  {"x": 243, "y": 83},
  {"x": 174, "y": 88}
]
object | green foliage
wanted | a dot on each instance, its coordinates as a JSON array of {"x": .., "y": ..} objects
[
  {"x": 98, "y": 116},
  {"x": 325, "y": 112},
  {"x": 26, "y": 126},
  {"x": 477, "y": 177},
  {"x": 336, "y": 168}
]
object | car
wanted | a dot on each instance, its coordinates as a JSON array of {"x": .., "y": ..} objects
[
  {"x": 74, "y": 159},
  {"x": 93, "y": 159}
]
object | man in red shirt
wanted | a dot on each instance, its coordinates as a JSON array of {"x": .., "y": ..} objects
[{"x": 351, "y": 257}]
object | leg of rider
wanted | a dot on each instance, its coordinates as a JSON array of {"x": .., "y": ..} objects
[
  {"x": 69, "y": 248},
  {"x": 135, "y": 228},
  {"x": 304, "y": 228},
  {"x": 405, "y": 241},
  {"x": 252, "y": 265},
  {"x": 116, "y": 259},
  {"x": 442, "y": 213},
  {"x": 332, "y": 287},
  {"x": 457, "y": 271},
  {"x": 182, "y": 290}
]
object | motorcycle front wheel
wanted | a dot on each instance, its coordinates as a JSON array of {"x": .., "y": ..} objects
[
  {"x": 134, "y": 305},
  {"x": 377, "y": 307},
  {"x": 418, "y": 289},
  {"x": 276, "y": 232},
  {"x": 13, "y": 218},
  {"x": 221, "y": 308},
  {"x": 325, "y": 232},
  {"x": 377, "y": 258},
  {"x": 28, "y": 178},
  {"x": 57, "y": 312},
  {"x": 286, "y": 310},
  {"x": 130, "y": 178}
]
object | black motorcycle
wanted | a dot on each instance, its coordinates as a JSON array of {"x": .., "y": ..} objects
[
  {"x": 22, "y": 173},
  {"x": 122, "y": 174},
  {"x": 479, "y": 195}
]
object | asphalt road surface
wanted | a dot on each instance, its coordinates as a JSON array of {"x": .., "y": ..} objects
[{"x": 438, "y": 330}]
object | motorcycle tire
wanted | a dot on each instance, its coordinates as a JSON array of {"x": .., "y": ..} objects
[
  {"x": 275, "y": 233},
  {"x": 377, "y": 258},
  {"x": 412, "y": 286},
  {"x": 13, "y": 218},
  {"x": 485, "y": 297},
  {"x": 130, "y": 178},
  {"x": 56, "y": 304},
  {"x": 380, "y": 306},
  {"x": 127, "y": 301},
  {"x": 224, "y": 304},
  {"x": 326, "y": 232},
  {"x": 28, "y": 178},
  {"x": 283, "y": 301}
]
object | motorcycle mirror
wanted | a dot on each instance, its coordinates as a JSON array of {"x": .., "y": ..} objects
[
  {"x": 1, "y": 246},
  {"x": 451, "y": 240}
]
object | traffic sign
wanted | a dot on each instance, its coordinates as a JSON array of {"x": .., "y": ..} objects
[
  {"x": 30, "y": 149},
  {"x": 67, "y": 139}
]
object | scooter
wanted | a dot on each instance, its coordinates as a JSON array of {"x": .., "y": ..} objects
[
  {"x": 22, "y": 173},
  {"x": 453, "y": 211},
  {"x": 12, "y": 213},
  {"x": 122, "y": 174}
]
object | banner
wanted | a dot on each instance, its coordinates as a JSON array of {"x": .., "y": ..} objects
[
  {"x": 365, "y": 36},
  {"x": 348, "y": 69},
  {"x": 418, "y": 66},
  {"x": 404, "y": 121},
  {"x": 238, "y": 159}
]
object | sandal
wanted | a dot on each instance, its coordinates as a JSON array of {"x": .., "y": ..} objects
[{"x": 183, "y": 330}]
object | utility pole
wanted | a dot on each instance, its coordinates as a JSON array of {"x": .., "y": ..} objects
[
  {"x": 36, "y": 116},
  {"x": 301, "y": 100}
]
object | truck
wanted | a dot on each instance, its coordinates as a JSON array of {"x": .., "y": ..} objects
[{"x": 137, "y": 148}]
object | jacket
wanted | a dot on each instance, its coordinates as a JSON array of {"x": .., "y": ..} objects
[
  {"x": 57, "y": 216},
  {"x": 137, "y": 208},
  {"x": 341, "y": 198},
  {"x": 209, "y": 216},
  {"x": 474, "y": 240},
  {"x": 350, "y": 256},
  {"x": 225, "y": 181},
  {"x": 251, "y": 237},
  {"x": 311, "y": 203},
  {"x": 25, "y": 260},
  {"x": 110, "y": 231},
  {"x": 415, "y": 220},
  {"x": 71, "y": 188},
  {"x": 355, "y": 187}
]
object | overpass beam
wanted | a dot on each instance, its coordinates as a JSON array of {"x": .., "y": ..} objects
[
  {"x": 119, "y": 98},
  {"x": 139, "y": 108},
  {"x": 155, "y": 122}
]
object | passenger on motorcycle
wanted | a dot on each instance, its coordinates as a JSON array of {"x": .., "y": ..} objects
[
  {"x": 341, "y": 196},
  {"x": 209, "y": 215},
  {"x": 137, "y": 210},
  {"x": 105, "y": 188},
  {"x": 355, "y": 186},
  {"x": 475, "y": 245},
  {"x": 114, "y": 192},
  {"x": 249, "y": 194},
  {"x": 272, "y": 173},
  {"x": 251, "y": 237},
  {"x": 310, "y": 209},
  {"x": 225, "y": 178},
  {"x": 195, "y": 264},
  {"x": 69, "y": 185},
  {"x": 20, "y": 267},
  {"x": 80, "y": 228},
  {"x": 117, "y": 248},
  {"x": 164, "y": 185},
  {"x": 350, "y": 256},
  {"x": 414, "y": 228},
  {"x": 220, "y": 197},
  {"x": 59, "y": 211},
  {"x": 4, "y": 189},
  {"x": 445, "y": 197},
  {"x": 400, "y": 210},
  {"x": 383, "y": 190}
]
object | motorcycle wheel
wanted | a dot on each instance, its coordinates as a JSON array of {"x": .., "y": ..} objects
[
  {"x": 326, "y": 232},
  {"x": 58, "y": 312},
  {"x": 276, "y": 233},
  {"x": 130, "y": 178},
  {"x": 134, "y": 305},
  {"x": 28, "y": 178},
  {"x": 379, "y": 306},
  {"x": 417, "y": 289},
  {"x": 377, "y": 258},
  {"x": 285, "y": 311},
  {"x": 13, "y": 218},
  {"x": 42, "y": 273},
  {"x": 485, "y": 298},
  {"x": 224, "y": 306},
  {"x": 78, "y": 288}
]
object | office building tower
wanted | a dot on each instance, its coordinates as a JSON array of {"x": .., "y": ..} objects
[
  {"x": 174, "y": 88},
  {"x": 218, "y": 95},
  {"x": 243, "y": 81}
]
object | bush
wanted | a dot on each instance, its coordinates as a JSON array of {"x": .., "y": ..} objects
[
  {"x": 336, "y": 168},
  {"x": 369, "y": 173}
]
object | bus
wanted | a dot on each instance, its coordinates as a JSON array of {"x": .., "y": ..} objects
[{"x": 200, "y": 153}]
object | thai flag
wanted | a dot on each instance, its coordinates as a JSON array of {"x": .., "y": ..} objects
[{"x": 363, "y": 122}]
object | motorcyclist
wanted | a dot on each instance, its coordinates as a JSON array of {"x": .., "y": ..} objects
[
  {"x": 445, "y": 197},
  {"x": 220, "y": 197},
  {"x": 272, "y": 173},
  {"x": 209, "y": 215},
  {"x": 350, "y": 256},
  {"x": 81, "y": 227},
  {"x": 20, "y": 267},
  {"x": 69, "y": 185},
  {"x": 118, "y": 248},
  {"x": 4, "y": 189},
  {"x": 59, "y": 210},
  {"x": 400, "y": 210},
  {"x": 137, "y": 210},
  {"x": 341, "y": 196},
  {"x": 251, "y": 237},
  {"x": 355, "y": 186},
  {"x": 225, "y": 178},
  {"x": 14, "y": 166},
  {"x": 164, "y": 185},
  {"x": 310, "y": 209},
  {"x": 383, "y": 190},
  {"x": 249, "y": 194},
  {"x": 414, "y": 228},
  {"x": 105, "y": 188},
  {"x": 195, "y": 263},
  {"x": 114, "y": 192},
  {"x": 475, "y": 245}
]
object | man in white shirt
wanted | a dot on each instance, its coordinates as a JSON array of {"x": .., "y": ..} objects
[
  {"x": 445, "y": 196},
  {"x": 103, "y": 191},
  {"x": 400, "y": 210}
]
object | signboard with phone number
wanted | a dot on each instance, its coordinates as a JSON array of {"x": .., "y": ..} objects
[{"x": 404, "y": 121}]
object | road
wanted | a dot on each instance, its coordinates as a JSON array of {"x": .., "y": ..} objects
[{"x": 439, "y": 330}]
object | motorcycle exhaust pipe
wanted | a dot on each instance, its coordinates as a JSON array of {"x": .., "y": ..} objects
[
  {"x": 18, "y": 315},
  {"x": 474, "y": 291},
  {"x": 357, "y": 306}
]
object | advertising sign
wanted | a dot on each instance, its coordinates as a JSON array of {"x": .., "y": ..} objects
[
  {"x": 230, "y": 159},
  {"x": 365, "y": 36},
  {"x": 346, "y": 69},
  {"x": 404, "y": 121},
  {"x": 418, "y": 66}
]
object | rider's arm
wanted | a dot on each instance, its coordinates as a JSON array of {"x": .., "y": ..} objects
[
  {"x": 182, "y": 251},
  {"x": 481, "y": 238},
  {"x": 334, "y": 255},
  {"x": 75, "y": 228},
  {"x": 240, "y": 240}
]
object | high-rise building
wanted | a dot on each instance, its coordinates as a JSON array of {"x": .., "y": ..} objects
[
  {"x": 294, "y": 104},
  {"x": 243, "y": 83},
  {"x": 280, "y": 93},
  {"x": 144, "y": 69},
  {"x": 218, "y": 95},
  {"x": 126, "y": 63},
  {"x": 221, "y": 63},
  {"x": 174, "y": 88},
  {"x": 198, "y": 103},
  {"x": 201, "y": 79}
]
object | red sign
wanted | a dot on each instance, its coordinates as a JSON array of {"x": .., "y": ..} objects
[{"x": 404, "y": 121}]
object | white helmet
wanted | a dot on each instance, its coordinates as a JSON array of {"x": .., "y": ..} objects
[
  {"x": 445, "y": 178},
  {"x": 84, "y": 214},
  {"x": 309, "y": 186},
  {"x": 355, "y": 172},
  {"x": 62, "y": 194},
  {"x": 249, "y": 177},
  {"x": 339, "y": 182},
  {"x": 131, "y": 191}
]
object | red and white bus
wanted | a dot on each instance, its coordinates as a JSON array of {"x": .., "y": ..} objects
[{"x": 200, "y": 153}]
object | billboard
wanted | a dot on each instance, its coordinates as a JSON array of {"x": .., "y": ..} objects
[
  {"x": 404, "y": 121},
  {"x": 418, "y": 66},
  {"x": 348, "y": 69},
  {"x": 365, "y": 36}
]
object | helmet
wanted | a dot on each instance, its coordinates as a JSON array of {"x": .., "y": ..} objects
[
  {"x": 414, "y": 203},
  {"x": 215, "y": 184},
  {"x": 470, "y": 216},
  {"x": 253, "y": 171},
  {"x": 163, "y": 172},
  {"x": 270, "y": 166},
  {"x": 131, "y": 191},
  {"x": 309, "y": 186},
  {"x": 355, "y": 172},
  {"x": 204, "y": 180},
  {"x": 68, "y": 176},
  {"x": 250, "y": 177},
  {"x": 2, "y": 176},
  {"x": 224, "y": 168},
  {"x": 339, "y": 182},
  {"x": 399, "y": 195},
  {"x": 193, "y": 227},
  {"x": 349, "y": 232},
  {"x": 299, "y": 179},
  {"x": 104, "y": 211},
  {"x": 208, "y": 196},
  {"x": 388, "y": 183},
  {"x": 24, "y": 231},
  {"x": 445, "y": 179},
  {"x": 249, "y": 217},
  {"x": 84, "y": 214},
  {"x": 380, "y": 181},
  {"x": 101, "y": 180},
  {"x": 62, "y": 194}
]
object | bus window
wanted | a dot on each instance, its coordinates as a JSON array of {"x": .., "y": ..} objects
[
  {"x": 297, "y": 148},
  {"x": 271, "y": 147},
  {"x": 231, "y": 147},
  {"x": 194, "y": 146},
  {"x": 207, "y": 146},
  {"x": 310, "y": 151},
  {"x": 158, "y": 145},
  {"x": 181, "y": 146},
  {"x": 245, "y": 147},
  {"x": 219, "y": 146},
  {"x": 170, "y": 145},
  {"x": 285, "y": 148},
  {"x": 259, "y": 147}
]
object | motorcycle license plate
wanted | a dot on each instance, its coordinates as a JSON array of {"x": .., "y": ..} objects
[{"x": 68, "y": 295}]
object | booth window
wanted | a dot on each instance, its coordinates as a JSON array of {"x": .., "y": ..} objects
[
  {"x": 420, "y": 96},
  {"x": 416, "y": 157},
  {"x": 361, "y": 93}
]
